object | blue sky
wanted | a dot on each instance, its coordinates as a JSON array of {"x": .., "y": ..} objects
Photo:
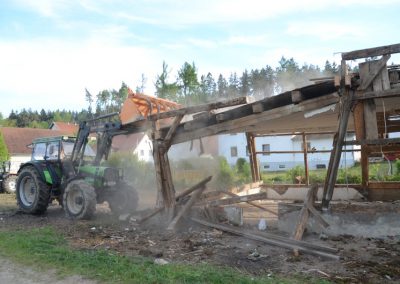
[{"x": 51, "y": 50}]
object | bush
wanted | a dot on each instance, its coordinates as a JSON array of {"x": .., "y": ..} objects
[
  {"x": 295, "y": 172},
  {"x": 243, "y": 170},
  {"x": 226, "y": 176}
]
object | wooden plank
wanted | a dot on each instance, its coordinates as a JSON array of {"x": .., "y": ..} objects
[
  {"x": 251, "y": 203},
  {"x": 258, "y": 108},
  {"x": 377, "y": 94},
  {"x": 371, "y": 52},
  {"x": 296, "y": 96},
  {"x": 338, "y": 141},
  {"x": 371, "y": 124},
  {"x": 370, "y": 70},
  {"x": 317, "y": 216},
  {"x": 243, "y": 121},
  {"x": 193, "y": 188},
  {"x": 304, "y": 213},
  {"x": 274, "y": 242},
  {"x": 238, "y": 199},
  {"x": 200, "y": 108},
  {"x": 185, "y": 208},
  {"x": 305, "y": 148},
  {"x": 171, "y": 132}
]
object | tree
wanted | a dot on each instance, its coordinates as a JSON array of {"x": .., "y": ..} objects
[
  {"x": 89, "y": 99},
  {"x": 244, "y": 85},
  {"x": 142, "y": 86},
  {"x": 208, "y": 87},
  {"x": 222, "y": 86},
  {"x": 188, "y": 83},
  {"x": 233, "y": 86},
  {"x": 4, "y": 155},
  {"x": 164, "y": 89}
]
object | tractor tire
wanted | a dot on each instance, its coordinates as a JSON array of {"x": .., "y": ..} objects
[
  {"x": 124, "y": 200},
  {"x": 33, "y": 194},
  {"x": 79, "y": 200},
  {"x": 9, "y": 184}
]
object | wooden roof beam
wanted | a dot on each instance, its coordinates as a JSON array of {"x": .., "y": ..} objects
[{"x": 371, "y": 52}]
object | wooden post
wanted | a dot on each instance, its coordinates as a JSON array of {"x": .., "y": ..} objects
[
  {"x": 347, "y": 99},
  {"x": 305, "y": 151},
  {"x": 251, "y": 146},
  {"x": 359, "y": 128}
]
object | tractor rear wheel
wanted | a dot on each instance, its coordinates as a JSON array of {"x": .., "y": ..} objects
[
  {"x": 33, "y": 194},
  {"x": 124, "y": 200},
  {"x": 79, "y": 200},
  {"x": 10, "y": 184}
]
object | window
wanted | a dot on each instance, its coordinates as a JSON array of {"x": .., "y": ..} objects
[
  {"x": 321, "y": 166},
  {"x": 266, "y": 166},
  {"x": 282, "y": 166},
  {"x": 39, "y": 151},
  {"x": 266, "y": 148},
  {"x": 141, "y": 153},
  {"x": 308, "y": 146},
  {"x": 234, "y": 151},
  {"x": 52, "y": 150}
]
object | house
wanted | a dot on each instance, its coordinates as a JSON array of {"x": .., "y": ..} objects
[
  {"x": 234, "y": 146},
  {"x": 137, "y": 143},
  {"x": 17, "y": 140},
  {"x": 67, "y": 127}
]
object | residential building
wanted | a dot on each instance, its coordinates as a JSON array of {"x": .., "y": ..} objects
[
  {"x": 234, "y": 146},
  {"x": 18, "y": 139}
]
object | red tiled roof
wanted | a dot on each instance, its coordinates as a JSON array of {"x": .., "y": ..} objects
[
  {"x": 66, "y": 127},
  {"x": 17, "y": 139}
]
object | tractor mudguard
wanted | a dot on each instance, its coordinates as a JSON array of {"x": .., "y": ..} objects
[{"x": 43, "y": 174}]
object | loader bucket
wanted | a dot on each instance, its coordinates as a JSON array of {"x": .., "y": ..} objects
[{"x": 138, "y": 107}]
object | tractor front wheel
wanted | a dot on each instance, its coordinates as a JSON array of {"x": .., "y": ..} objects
[
  {"x": 124, "y": 200},
  {"x": 10, "y": 184},
  {"x": 79, "y": 200},
  {"x": 33, "y": 194}
]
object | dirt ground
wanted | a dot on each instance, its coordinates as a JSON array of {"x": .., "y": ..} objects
[{"x": 363, "y": 260}]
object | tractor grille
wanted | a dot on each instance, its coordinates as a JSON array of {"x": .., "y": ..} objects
[{"x": 111, "y": 177}]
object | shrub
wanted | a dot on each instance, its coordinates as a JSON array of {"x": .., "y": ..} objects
[
  {"x": 226, "y": 176},
  {"x": 295, "y": 172},
  {"x": 243, "y": 170}
]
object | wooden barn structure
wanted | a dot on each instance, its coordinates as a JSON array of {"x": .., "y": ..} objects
[{"x": 366, "y": 103}]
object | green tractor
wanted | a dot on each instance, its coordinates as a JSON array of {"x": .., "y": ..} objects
[{"x": 67, "y": 169}]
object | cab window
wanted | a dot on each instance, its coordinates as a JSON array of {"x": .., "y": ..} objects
[
  {"x": 52, "y": 150},
  {"x": 39, "y": 151}
]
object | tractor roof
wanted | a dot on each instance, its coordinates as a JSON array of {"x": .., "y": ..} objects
[{"x": 52, "y": 139}]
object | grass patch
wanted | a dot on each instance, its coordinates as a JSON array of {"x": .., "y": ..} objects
[{"x": 48, "y": 248}]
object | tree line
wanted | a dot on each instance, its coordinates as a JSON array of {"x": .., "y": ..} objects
[{"x": 187, "y": 88}]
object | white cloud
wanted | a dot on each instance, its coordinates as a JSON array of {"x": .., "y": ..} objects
[
  {"x": 178, "y": 13},
  {"x": 53, "y": 74},
  {"x": 326, "y": 30}
]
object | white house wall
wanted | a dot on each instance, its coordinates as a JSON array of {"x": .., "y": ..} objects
[
  {"x": 281, "y": 162},
  {"x": 17, "y": 160},
  {"x": 144, "y": 149}
]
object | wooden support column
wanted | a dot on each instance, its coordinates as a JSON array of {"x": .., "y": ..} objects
[
  {"x": 251, "y": 146},
  {"x": 338, "y": 140},
  {"x": 359, "y": 128},
  {"x": 165, "y": 183},
  {"x": 305, "y": 151}
]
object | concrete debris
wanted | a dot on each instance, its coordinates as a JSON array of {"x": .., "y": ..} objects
[{"x": 160, "y": 261}]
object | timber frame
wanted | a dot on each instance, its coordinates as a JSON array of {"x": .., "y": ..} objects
[{"x": 372, "y": 97}]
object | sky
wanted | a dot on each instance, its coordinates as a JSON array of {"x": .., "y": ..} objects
[{"x": 51, "y": 50}]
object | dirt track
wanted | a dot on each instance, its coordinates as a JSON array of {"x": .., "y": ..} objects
[
  {"x": 362, "y": 260},
  {"x": 18, "y": 274}
]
